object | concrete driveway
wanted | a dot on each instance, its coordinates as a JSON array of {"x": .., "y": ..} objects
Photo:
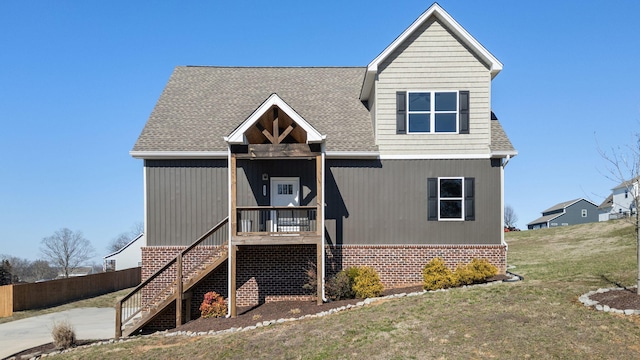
[{"x": 88, "y": 323}]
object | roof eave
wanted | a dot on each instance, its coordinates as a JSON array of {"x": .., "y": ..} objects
[{"x": 171, "y": 155}]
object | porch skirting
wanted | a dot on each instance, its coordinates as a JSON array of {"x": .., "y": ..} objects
[{"x": 267, "y": 273}]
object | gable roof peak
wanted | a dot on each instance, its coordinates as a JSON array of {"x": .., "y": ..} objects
[
  {"x": 435, "y": 10},
  {"x": 237, "y": 135}
]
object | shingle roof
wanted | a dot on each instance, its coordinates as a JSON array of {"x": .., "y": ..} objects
[
  {"x": 544, "y": 219},
  {"x": 500, "y": 143},
  {"x": 201, "y": 105}
]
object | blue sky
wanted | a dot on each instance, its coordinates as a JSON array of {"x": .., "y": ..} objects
[{"x": 78, "y": 80}]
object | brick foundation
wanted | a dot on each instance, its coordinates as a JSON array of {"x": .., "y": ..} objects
[
  {"x": 277, "y": 273},
  {"x": 400, "y": 265}
]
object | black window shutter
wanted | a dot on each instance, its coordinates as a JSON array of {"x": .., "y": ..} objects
[
  {"x": 432, "y": 199},
  {"x": 401, "y": 112},
  {"x": 469, "y": 199},
  {"x": 464, "y": 112}
]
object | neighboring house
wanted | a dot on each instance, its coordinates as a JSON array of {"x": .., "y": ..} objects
[
  {"x": 129, "y": 256},
  {"x": 388, "y": 165},
  {"x": 620, "y": 203},
  {"x": 79, "y": 271},
  {"x": 578, "y": 211}
]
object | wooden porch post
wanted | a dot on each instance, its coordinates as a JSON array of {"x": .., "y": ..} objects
[
  {"x": 232, "y": 287},
  {"x": 319, "y": 227},
  {"x": 179, "y": 291},
  {"x": 234, "y": 195},
  {"x": 234, "y": 232}
]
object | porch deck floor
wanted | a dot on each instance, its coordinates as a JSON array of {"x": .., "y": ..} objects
[{"x": 275, "y": 239}]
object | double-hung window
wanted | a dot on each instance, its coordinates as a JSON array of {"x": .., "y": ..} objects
[
  {"x": 432, "y": 112},
  {"x": 451, "y": 198}
]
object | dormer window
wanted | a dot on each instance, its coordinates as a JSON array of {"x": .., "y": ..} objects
[{"x": 432, "y": 112}]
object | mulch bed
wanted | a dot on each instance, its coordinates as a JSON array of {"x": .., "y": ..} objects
[{"x": 619, "y": 299}]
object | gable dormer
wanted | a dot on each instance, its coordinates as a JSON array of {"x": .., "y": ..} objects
[{"x": 429, "y": 91}]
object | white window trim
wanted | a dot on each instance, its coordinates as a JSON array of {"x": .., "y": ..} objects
[
  {"x": 461, "y": 198},
  {"x": 432, "y": 111}
]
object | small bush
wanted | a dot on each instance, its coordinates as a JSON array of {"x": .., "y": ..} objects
[
  {"x": 477, "y": 271},
  {"x": 213, "y": 305},
  {"x": 340, "y": 286},
  {"x": 436, "y": 275},
  {"x": 311, "y": 273},
  {"x": 63, "y": 335},
  {"x": 367, "y": 283}
]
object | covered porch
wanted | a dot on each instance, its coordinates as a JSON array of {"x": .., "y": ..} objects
[{"x": 276, "y": 195}]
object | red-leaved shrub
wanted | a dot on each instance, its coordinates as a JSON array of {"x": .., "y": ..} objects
[{"x": 213, "y": 305}]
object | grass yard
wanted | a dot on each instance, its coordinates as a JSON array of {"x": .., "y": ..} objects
[{"x": 538, "y": 318}]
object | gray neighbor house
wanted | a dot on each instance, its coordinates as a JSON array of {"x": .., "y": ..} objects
[
  {"x": 572, "y": 212},
  {"x": 279, "y": 169}
]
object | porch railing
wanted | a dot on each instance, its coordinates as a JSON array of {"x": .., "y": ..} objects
[
  {"x": 276, "y": 219},
  {"x": 168, "y": 280}
]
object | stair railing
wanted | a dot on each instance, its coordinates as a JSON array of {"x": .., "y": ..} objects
[{"x": 168, "y": 280}]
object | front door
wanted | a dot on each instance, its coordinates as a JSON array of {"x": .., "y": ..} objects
[{"x": 285, "y": 191}]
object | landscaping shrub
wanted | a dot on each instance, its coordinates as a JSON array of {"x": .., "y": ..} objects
[
  {"x": 311, "y": 285},
  {"x": 63, "y": 335},
  {"x": 436, "y": 275},
  {"x": 367, "y": 283},
  {"x": 477, "y": 271},
  {"x": 213, "y": 305},
  {"x": 340, "y": 286}
]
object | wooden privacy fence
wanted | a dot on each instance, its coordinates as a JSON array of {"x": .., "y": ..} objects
[{"x": 29, "y": 296}]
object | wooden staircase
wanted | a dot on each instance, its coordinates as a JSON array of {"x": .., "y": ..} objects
[{"x": 187, "y": 269}]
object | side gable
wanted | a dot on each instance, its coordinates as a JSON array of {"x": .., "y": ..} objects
[
  {"x": 434, "y": 58},
  {"x": 438, "y": 12}
]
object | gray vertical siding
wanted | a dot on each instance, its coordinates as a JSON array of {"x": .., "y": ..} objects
[
  {"x": 367, "y": 201},
  {"x": 249, "y": 180},
  {"x": 385, "y": 202},
  {"x": 185, "y": 198}
]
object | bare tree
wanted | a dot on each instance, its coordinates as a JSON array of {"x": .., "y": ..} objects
[
  {"x": 510, "y": 217},
  {"x": 623, "y": 166},
  {"x": 124, "y": 238},
  {"x": 20, "y": 269},
  {"x": 41, "y": 270},
  {"x": 119, "y": 242},
  {"x": 67, "y": 250}
]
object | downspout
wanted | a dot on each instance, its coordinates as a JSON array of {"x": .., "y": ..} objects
[
  {"x": 504, "y": 164},
  {"x": 323, "y": 150},
  {"x": 229, "y": 290},
  {"x": 144, "y": 199}
]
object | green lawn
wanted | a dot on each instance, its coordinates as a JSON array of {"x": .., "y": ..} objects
[{"x": 538, "y": 318}]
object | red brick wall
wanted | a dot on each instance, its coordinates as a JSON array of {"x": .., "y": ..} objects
[
  {"x": 277, "y": 273},
  {"x": 400, "y": 265}
]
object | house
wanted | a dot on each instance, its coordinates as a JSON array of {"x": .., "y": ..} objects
[
  {"x": 129, "y": 256},
  {"x": 621, "y": 201},
  {"x": 278, "y": 169},
  {"x": 79, "y": 271},
  {"x": 578, "y": 211}
]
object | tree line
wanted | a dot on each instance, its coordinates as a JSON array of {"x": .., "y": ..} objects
[{"x": 60, "y": 254}]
